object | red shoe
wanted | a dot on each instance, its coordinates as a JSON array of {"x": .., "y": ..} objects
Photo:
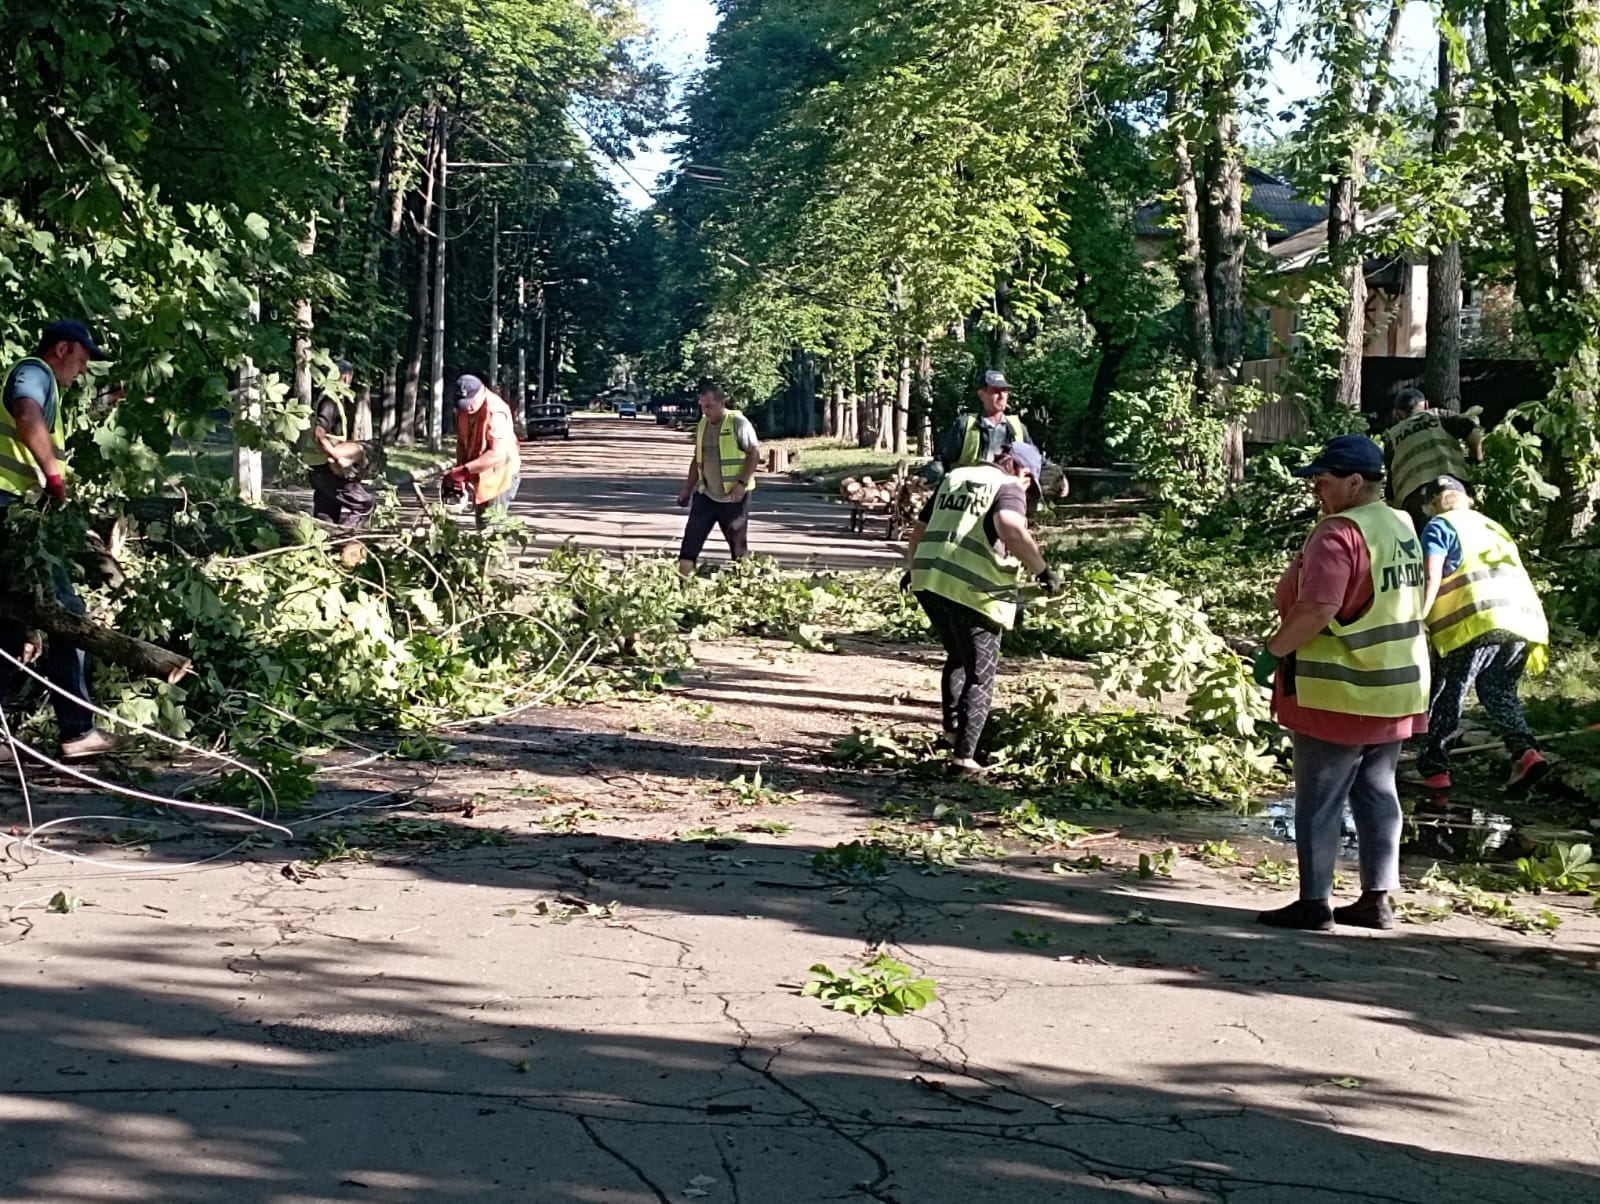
[
  {"x": 1434, "y": 781},
  {"x": 1529, "y": 769}
]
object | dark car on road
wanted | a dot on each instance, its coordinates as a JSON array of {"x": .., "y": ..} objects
[{"x": 549, "y": 421}]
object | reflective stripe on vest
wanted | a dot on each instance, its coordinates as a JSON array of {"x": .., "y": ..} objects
[
  {"x": 954, "y": 559},
  {"x": 973, "y": 449},
  {"x": 1423, "y": 450},
  {"x": 1489, "y": 591},
  {"x": 1376, "y": 665},
  {"x": 728, "y": 453},
  {"x": 19, "y": 472}
]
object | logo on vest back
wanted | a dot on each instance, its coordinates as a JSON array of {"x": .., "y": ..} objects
[
  {"x": 1404, "y": 570},
  {"x": 970, "y": 499}
]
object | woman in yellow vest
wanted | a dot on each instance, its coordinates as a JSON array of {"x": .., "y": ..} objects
[
  {"x": 968, "y": 549},
  {"x": 1486, "y": 625},
  {"x": 1349, "y": 669}
]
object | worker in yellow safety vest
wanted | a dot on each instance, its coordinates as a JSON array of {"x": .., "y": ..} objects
[
  {"x": 33, "y": 457},
  {"x": 968, "y": 550},
  {"x": 720, "y": 480},
  {"x": 979, "y": 438},
  {"x": 1487, "y": 627},
  {"x": 1348, "y": 664},
  {"x": 1422, "y": 444}
]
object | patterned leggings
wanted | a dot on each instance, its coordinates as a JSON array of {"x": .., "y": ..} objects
[
  {"x": 1495, "y": 666},
  {"x": 972, "y": 658}
]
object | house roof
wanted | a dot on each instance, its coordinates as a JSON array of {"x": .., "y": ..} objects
[
  {"x": 1310, "y": 244},
  {"x": 1285, "y": 210}
]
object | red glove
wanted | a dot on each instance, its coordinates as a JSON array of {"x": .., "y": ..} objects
[
  {"x": 457, "y": 476},
  {"x": 55, "y": 487}
]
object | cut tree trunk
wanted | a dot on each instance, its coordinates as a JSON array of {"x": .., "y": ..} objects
[{"x": 135, "y": 655}]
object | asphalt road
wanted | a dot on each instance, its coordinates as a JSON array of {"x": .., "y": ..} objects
[{"x": 614, "y": 485}]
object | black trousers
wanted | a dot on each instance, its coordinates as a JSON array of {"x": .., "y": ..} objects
[
  {"x": 1494, "y": 665},
  {"x": 971, "y": 661},
  {"x": 705, "y": 513},
  {"x": 340, "y": 500},
  {"x": 63, "y": 665}
]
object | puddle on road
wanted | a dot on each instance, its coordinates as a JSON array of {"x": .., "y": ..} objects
[{"x": 1434, "y": 828}]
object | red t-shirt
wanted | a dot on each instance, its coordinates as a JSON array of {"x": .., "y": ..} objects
[{"x": 1334, "y": 568}]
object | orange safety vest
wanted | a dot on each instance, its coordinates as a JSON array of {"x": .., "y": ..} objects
[{"x": 472, "y": 440}]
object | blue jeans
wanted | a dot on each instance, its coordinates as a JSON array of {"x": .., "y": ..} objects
[{"x": 63, "y": 665}]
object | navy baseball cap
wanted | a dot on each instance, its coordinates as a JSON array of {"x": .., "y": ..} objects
[
  {"x": 1027, "y": 456},
  {"x": 70, "y": 330},
  {"x": 993, "y": 380},
  {"x": 1346, "y": 454},
  {"x": 468, "y": 387}
]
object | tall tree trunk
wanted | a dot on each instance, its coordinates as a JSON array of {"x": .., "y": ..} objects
[
  {"x": 1188, "y": 249},
  {"x": 422, "y": 285},
  {"x": 902, "y": 403},
  {"x": 923, "y": 409},
  {"x": 1441, "y": 374},
  {"x": 1359, "y": 91},
  {"x": 883, "y": 399},
  {"x": 808, "y": 394},
  {"x": 1572, "y": 459},
  {"x": 304, "y": 322},
  {"x": 1092, "y": 429},
  {"x": 1224, "y": 243},
  {"x": 1000, "y": 333}
]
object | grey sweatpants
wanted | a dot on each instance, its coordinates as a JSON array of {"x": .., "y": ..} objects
[{"x": 1326, "y": 776}]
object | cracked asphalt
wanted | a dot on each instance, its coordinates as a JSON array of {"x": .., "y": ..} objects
[{"x": 552, "y": 995}]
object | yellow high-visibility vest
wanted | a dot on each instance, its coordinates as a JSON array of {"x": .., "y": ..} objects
[
  {"x": 1376, "y": 665},
  {"x": 1423, "y": 450},
  {"x": 728, "y": 452},
  {"x": 972, "y": 442},
  {"x": 1489, "y": 591},
  {"x": 19, "y": 471},
  {"x": 955, "y": 560}
]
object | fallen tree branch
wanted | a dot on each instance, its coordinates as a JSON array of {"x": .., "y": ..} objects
[{"x": 133, "y": 654}]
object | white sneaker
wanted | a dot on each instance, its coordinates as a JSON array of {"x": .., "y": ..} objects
[{"x": 93, "y": 743}]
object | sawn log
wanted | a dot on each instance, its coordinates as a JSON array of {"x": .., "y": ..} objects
[{"x": 133, "y": 654}]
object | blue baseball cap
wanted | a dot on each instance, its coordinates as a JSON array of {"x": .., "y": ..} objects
[
  {"x": 70, "y": 330},
  {"x": 1346, "y": 454},
  {"x": 993, "y": 380},
  {"x": 1027, "y": 456},
  {"x": 467, "y": 388}
]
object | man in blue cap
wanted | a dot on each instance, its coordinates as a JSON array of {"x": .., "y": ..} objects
[
  {"x": 1348, "y": 665},
  {"x": 33, "y": 457},
  {"x": 979, "y": 438},
  {"x": 488, "y": 458}
]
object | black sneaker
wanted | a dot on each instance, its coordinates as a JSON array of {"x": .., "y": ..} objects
[
  {"x": 1372, "y": 910},
  {"x": 1312, "y": 915}
]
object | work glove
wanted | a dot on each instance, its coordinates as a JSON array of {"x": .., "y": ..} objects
[
  {"x": 1049, "y": 581},
  {"x": 55, "y": 488},
  {"x": 1266, "y": 664},
  {"x": 457, "y": 476},
  {"x": 905, "y": 582}
]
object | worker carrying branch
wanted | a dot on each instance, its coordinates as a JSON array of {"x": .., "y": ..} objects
[{"x": 33, "y": 457}]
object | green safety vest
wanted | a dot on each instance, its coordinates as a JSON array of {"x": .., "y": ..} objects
[
  {"x": 1423, "y": 450},
  {"x": 1489, "y": 591},
  {"x": 19, "y": 472},
  {"x": 728, "y": 451},
  {"x": 953, "y": 557},
  {"x": 1378, "y": 664},
  {"x": 972, "y": 440}
]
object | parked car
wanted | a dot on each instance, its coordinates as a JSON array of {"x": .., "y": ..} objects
[
  {"x": 549, "y": 421},
  {"x": 627, "y": 410}
]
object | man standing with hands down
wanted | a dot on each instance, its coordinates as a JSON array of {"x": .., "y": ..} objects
[
  {"x": 979, "y": 438},
  {"x": 487, "y": 456},
  {"x": 33, "y": 456},
  {"x": 1349, "y": 668},
  {"x": 721, "y": 476}
]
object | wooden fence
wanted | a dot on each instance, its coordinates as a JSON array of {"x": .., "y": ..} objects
[{"x": 1279, "y": 417}]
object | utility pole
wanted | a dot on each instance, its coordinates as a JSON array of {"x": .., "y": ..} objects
[
  {"x": 436, "y": 403},
  {"x": 494, "y": 303},
  {"x": 542, "y": 309},
  {"x": 522, "y": 346}
]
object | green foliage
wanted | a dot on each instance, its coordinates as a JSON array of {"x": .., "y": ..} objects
[
  {"x": 1026, "y": 821},
  {"x": 1032, "y": 936},
  {"x": 1119, "y": 756},
  {"x": 854, "y": 861},
  {"x": 1217, "y": 853},
  {"x": 1158, "y": 864},
  {"x": 1472, "y": 899},
  {"x": 1560, "y": 866},
  {"x": 1281, "y": 874},
  {"x": 938, "y": 848},
  {"x": 883, "y": 985}
]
